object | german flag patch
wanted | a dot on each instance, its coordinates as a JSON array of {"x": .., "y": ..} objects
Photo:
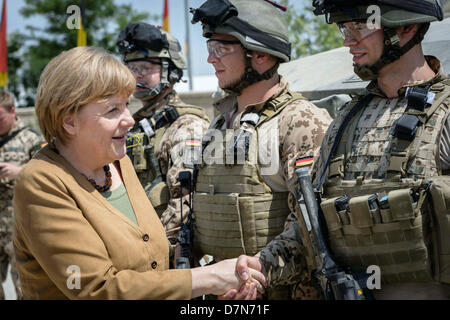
[
  {"x": 193, "y": 143},
  {"x": 305, "y": 161}
]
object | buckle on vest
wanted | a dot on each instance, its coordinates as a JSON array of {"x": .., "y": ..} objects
[
  {"x": 407, "y": 124},
  {"x": 167, "y": 116},
  {"x": 406, "y": 127},
  {"x": 147, "y": 127},
  {"x": 250, "y": 118},
  {"x": 397, "y": 163},
  {"x": 417, "y": 97}
]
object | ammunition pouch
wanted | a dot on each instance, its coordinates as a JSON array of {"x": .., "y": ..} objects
[
  {"x": 439, "y": 193},
  {"x": 393, "y": 237},
  {"x": 136, "y": 151}
]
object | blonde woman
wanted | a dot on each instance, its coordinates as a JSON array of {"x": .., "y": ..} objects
[{"x": 84, "y": 227}]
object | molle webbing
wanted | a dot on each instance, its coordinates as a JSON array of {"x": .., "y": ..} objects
[
  {"x": 218, "y": 178},
  {"x": 228, "y": 225},
  {"x": 235, "y": 210}
]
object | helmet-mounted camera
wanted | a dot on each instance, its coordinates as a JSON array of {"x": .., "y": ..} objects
[
  {"x": 214, "y": 12},
  {"x": 141, "y": 36}
]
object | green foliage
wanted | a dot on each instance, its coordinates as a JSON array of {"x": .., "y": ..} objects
[
  {"x": 15, "y": 42},
  {"x": 103, "y": 22},
  {"x": 308, "y": 33}
]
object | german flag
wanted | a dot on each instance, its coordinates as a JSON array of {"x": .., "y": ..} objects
[
  {"x": 165, "y": 25},
  {"x": 193, "y": 143},
  {"x": 81, "y": 37},
  {"x": 3, "y": 49},
  {"x": 305, "y": 161}
]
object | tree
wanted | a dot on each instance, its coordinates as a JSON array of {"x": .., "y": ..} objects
[
  {"x": 103, "y": 22},
  {"x": 16, "y": 41},
  {"x": 308, "y": 33}
]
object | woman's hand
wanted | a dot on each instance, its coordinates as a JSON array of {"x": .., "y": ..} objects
[{"x": 221, "y": 277}]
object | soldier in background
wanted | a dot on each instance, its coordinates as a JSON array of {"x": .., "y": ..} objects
[
  {"x": 243, "y": 198},
  {"x": 166, "y": 128},
  {"x": 18, "y": 143}
]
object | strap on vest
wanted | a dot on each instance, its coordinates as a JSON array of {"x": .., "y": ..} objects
[
  {"x": 357, "y": 107},
  {"x": 275, "y": 106},
  {"x": 189, "y": 109},
  {"x": 11, "y": 136},
  {"x": 417, "y": 116}
]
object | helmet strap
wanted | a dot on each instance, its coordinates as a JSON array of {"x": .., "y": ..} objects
[
  {"x": 153, "y": 94},
  {"x": 391, "y": 52},
  {"x": 250, "y": 75}
]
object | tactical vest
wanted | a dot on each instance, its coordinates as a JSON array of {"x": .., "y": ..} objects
[
  {"x": 143, "y": 146},
  {"x": 236, "y": 212},
  {"x": 391, "y": 222}
]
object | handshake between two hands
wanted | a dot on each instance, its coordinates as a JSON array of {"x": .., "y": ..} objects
[{"x": 252, "y": 279}]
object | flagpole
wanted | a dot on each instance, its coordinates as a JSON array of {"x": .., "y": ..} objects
[{"x": 187, "y": 46}]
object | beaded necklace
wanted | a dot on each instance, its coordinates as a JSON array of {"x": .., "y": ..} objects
[{"x": 108, "y": 180}]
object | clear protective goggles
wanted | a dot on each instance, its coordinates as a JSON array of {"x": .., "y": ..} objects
[
  {"x": 356, "y": 31},
  {"x": 220, "y": 48},
  {"x": 143, "y": 68}
]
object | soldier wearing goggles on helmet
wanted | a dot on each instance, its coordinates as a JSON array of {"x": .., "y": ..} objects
[
  {"x": 388, "y": 152},
  {"x": 166, "y": 128},
  {"x": 274, "y": 127}
]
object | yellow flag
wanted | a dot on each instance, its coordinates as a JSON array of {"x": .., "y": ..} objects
[{"x": 81, "y": 37}]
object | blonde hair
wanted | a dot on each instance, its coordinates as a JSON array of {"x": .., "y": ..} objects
[
  {"x": 6, "y": 100},
  {"x": 73, "y": 79}
]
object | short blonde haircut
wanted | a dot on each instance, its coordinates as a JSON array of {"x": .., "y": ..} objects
[
  {"x": 73, "y": 79},
  {"x": 6, "y": 100}
]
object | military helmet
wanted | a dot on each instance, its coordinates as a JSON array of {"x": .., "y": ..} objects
[
  {"x": 243, "y": 20},
  {"x": 140, "y": 40},
  {"x": 393, "y": 13}
]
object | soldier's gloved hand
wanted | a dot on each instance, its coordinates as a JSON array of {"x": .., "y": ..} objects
[{"x": 9, "y": 171}]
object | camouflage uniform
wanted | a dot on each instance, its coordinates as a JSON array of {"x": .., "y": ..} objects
[
  {"x": 372, "y": 154},
  {"x": 170, "y": 153},
  {"x": 18, "y": 151},
  {"x": 301, "y": 127}
]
